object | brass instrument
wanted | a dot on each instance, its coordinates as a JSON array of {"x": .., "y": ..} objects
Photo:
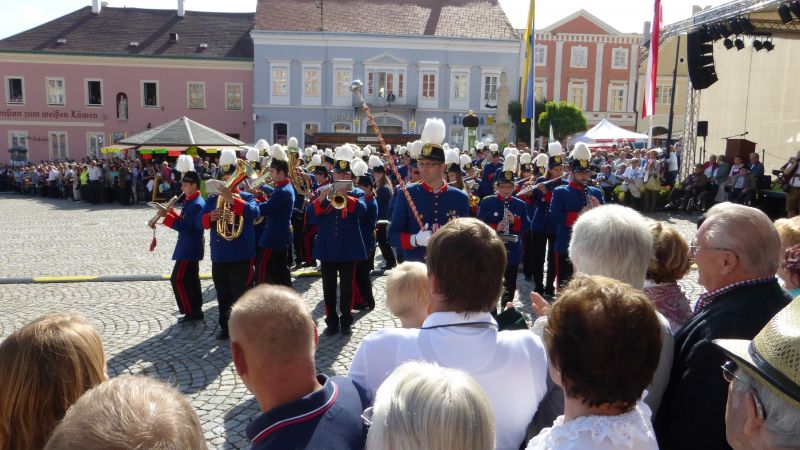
[
  {"x": 300, "y": 180},
  {"x": 335, "y": 196},
  {"x": 229, "y": 225},
  {"x": 264, "y": 179},
  {"x": 163, "y": 209}
]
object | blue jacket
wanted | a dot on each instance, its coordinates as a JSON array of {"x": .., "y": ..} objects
[
  {"x": 568, "y": 200},
  {"x": 368, "y": 223},
  {"x": 542, "y": 221},
  {"x": 436, "y": 209},
  {"x": 384, "y": 197},
  {"x": 277, "y": 213},
  {"x": 190, "y": 245},
  {"x": 487, "y": 180},
  {"x": 242, "y": 248},
  {"x": 339, "y": 234},
  {"x": 328, "y": 419},
  {"x": 492, "y": 210}
]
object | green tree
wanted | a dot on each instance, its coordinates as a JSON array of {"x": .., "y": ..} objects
[
  {"x": 566, "y": 119},
  {"x": 524, "y": 128}
]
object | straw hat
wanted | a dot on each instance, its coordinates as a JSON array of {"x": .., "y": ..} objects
[{"x": 773, "y": 356}]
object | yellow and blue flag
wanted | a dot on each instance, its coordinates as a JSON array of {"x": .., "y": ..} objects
[{"x": 528, "y": 100}]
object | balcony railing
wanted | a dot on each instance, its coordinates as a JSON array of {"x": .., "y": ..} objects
[{"x": 407, "y": 102}]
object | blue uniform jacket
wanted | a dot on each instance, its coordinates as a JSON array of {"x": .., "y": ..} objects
[
  {"x": 487, "y": 180},
  {"x": 491, "y": 211},
  {"x": 384, "y": 197},
  {"x": 542, "y": 221},
  {"x": 190, "y": 245},
  {"x": 368, "y": 223},
  {"x": 568, "y": 200},
  {"x": 277, "y": 213},
  {"x": 436, "y": 208},
  {"x": 242, "y": 248},
  {"x": 339, "y": 235}
]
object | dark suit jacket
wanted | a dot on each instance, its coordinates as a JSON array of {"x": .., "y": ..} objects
[{"x": 692, "y": 413}]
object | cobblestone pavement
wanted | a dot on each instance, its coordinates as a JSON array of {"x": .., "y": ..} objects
[{"x": 137, "y": 319}]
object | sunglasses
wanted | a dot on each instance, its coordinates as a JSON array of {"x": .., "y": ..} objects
[{"x": 729, "y": 374}]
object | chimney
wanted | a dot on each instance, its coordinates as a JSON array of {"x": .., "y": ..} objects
[
  {"x": 181, "y": 10},
  {"x": 96, "y": 6}
]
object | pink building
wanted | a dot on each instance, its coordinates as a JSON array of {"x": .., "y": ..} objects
[
  {"x": 86, "y": 80},
  {"x": 584, "y": 61}
]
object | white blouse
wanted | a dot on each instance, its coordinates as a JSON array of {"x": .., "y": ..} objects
[{"x": 632, "y": 430}]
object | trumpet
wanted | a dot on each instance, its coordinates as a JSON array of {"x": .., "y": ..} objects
[
  {"x": 337, "y": 193},
  {"x": 163, "y": 209}
]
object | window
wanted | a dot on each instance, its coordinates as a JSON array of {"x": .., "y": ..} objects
[
  {"x": 457, "y": 136},
  {"x": 663, "y": 95},
  {"x": 94, "y": 144},
  {"x": 15, "y": 92},
  {"x": 341, "y": 127},
  {"x": 460, "y": 86},
  {"x": 343, "y": 82},
  {"x": 540, "y": 55},
  {"x": 616, "y": 98},
  {"x": 233, "y": 96},
  {"x": 18, "y": 139},
  {"x": 196, "y": 95},
  {"x": 150, "y": 94},
  {"x": 540, "y": 89},
  {"x": 619, "y": 58},
  {"x": 578, "y": 57},
  {"x": 429, "y": 85},
  {"x": 55, "y": 92},
  {"x": 576, "y": 94},
  {"x": 490, "y": 89},
  {"x": 386, "y": 85},
  {"x": 280, "y": 133},
  {"x": 58, "y": 145},
  {"x": 311, "y": 82},
  {"x": 309, "y": 130},
  {"x": 94, "y": 93},
  {"x": 280, "y": 81}
]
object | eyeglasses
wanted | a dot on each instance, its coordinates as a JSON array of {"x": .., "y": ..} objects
[
  {"x": 366, "y": 416},
  {"x": 729, "y": 374},
  {"x": 694, "y": 248}
]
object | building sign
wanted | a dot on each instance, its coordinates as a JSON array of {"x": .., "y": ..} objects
[
  {"x": 342, "y": 118},
  {"x": 367, "y": 139},
  {"x": 58, "y": 115}
]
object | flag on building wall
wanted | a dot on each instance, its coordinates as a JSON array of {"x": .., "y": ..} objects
[
  {"x": 527, "y": 89},
  {"x": 652, "y": 64}
]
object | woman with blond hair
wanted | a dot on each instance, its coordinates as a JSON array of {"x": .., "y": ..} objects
[
  {"x": 46, "y": 366},
  {"x": 668, "y": 264}
]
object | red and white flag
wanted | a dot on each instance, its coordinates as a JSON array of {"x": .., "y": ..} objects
[{"x": 652, "y": 64}]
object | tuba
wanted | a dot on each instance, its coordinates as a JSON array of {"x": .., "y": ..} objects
[
  {"x": 300, "y": 180},
  {"x": 229, "y": 225}
]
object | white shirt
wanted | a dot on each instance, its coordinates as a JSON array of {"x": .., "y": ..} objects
[
  {"x": 673, "y": 162},
  {"x": 52, "y": 175},
  {"x": 510, "y": 366},
  {"x": 95, "y": 173},
  {"x": 632, "y": 430},
  {"x": 632, "y": 174}
]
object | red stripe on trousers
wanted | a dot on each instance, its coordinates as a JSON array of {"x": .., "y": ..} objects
[
  {"x": 358, "y": 299},
  {"x": 184, "y": 297},
  {"x": 262, "y": 268}
]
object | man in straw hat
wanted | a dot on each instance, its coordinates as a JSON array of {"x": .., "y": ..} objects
[{"x": 763, "y": 409}]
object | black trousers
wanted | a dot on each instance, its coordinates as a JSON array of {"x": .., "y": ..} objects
[
  {"x": 185, "y": 281},
  {"x": 344, "y": 271},
  {"x": 509, "y": 283},
  {"x": 564, "y": 269},
  {"x": 298, "y": 222},
  {"x": 271, "y": 267},
  {"x": 362, "y": 280},
  {"x": 544, "y": 244},
  {"x": 382, "y": 237},
  {"x": 231, "y": 280},
  {"x": 527, "y": 254}
]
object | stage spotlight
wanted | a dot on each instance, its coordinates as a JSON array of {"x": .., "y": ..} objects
[
  {"x": 733, "y": 27},
  {"x": 746, "y": 26},
  {"x": 785, "y": 13},
  {"x": 739, "y": 44},
  {"x": 728, "y": 43},
  {"x": 794, "y": 6},
  {"x": 769, "y": 46},
  {"x": 757, "y": 45}
]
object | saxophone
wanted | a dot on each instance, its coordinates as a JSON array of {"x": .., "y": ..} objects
[{"x": 229, "y": 225}]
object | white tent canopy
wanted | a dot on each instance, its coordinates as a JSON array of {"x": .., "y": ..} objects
[{"x": 606, "y": 131}]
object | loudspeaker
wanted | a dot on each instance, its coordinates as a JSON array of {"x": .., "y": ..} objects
[
  {"x": 700, "y": 55},
  {"x": 702, "y": 128}
]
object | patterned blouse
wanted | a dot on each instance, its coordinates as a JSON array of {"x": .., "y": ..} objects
[{"x": 670, "y": 300}]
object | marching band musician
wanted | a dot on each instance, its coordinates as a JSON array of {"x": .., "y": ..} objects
[
  {"x": 543, "y": 226},
  {"x": 188, "y": 252},
  {"x": 298, "y": 208},
  {"x": 569, "y": 202},
  {"x": 508, "y": 215},
  {"x": 339, "y": 243},
  {"x": 487, "y": 177},
  {"x": 259, "y": 196},
  {"x": 435, "y": 201},
  {"x": 310, "y": 227},
  {"x": 453, "y": 167},
  {"x": 362, "y": 289},
  {"x": 272, "y": 263},
  {"x": 383, "y": 194},
  {"x": 412, "y": 152},
  {"x": 526, "y": 175},
  {"x": 231, "y": 261}
]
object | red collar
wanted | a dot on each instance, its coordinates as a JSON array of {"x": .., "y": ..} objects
[
  {"x": 503, "y": 199},
  {"x": 282, "y": 183},
  {"x": 428, "y": 187},
  {"x": 369, "y": 197},
  {"x": 235, "y": 190},
  {"x": 192, "y": 197},
  {"x": 577, "y": 186}
]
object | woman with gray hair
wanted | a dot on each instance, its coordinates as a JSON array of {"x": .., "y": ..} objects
[{"x": 425, "y": 406}]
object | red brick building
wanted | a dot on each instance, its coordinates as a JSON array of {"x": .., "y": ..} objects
[{"x": 584, "y": 61}]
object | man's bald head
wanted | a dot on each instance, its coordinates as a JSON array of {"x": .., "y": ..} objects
[{"x": 272, "y": 322}]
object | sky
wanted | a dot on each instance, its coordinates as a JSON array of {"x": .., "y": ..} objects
[{"x": 626, "y": 16}]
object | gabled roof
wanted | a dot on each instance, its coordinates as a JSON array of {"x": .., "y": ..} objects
[
  {"x": 478, "y": 19},
  {"x": 181, "y": 132},
  {"x": 112, "y": 31},
  {"x": 600, "y": 26}
]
